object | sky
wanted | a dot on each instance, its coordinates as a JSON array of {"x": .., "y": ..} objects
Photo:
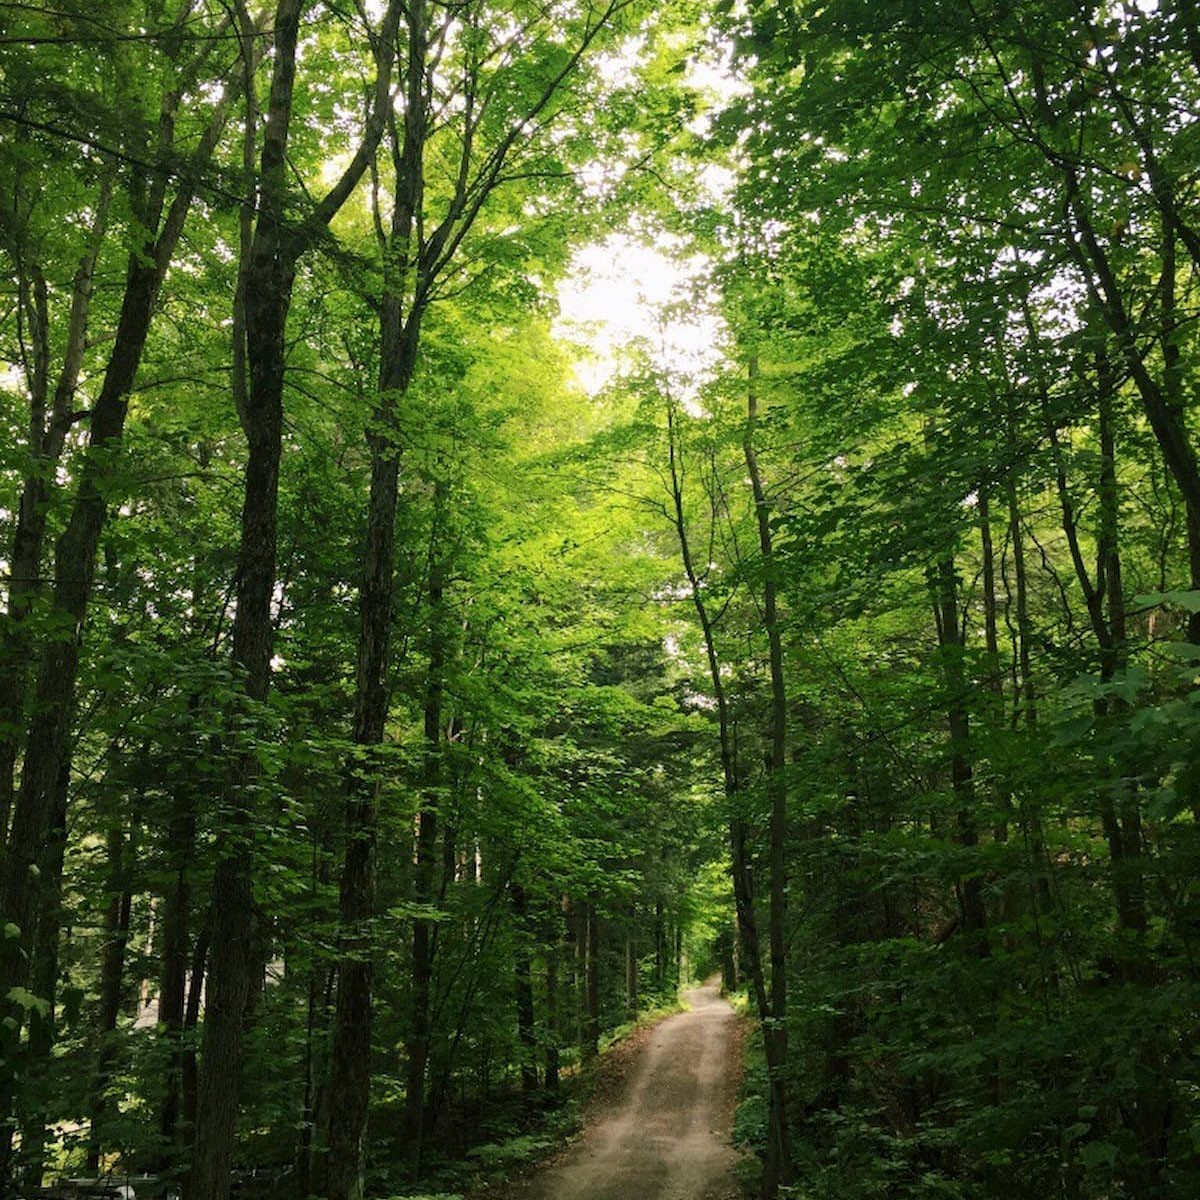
[
  {"x": 623, "y": 289},
  {"x": 626, "y": 287}
]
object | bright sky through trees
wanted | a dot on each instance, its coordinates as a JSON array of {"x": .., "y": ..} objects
[
  {"x": 652, "y": 288},
  {"x": 623, "y": 291}
]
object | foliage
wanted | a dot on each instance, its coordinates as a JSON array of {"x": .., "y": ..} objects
[{"x": 871, "y": 649}]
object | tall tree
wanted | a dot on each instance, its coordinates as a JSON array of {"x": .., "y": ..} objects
[{"x": 279, "y": 241}]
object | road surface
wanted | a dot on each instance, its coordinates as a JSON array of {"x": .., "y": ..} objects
[{"x": 665, "y": 1135}]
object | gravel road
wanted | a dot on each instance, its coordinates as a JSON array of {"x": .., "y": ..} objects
[{"x": 665, "y": 1135}]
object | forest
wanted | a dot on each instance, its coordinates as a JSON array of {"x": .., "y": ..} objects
[{"x": 420, "y": 657}]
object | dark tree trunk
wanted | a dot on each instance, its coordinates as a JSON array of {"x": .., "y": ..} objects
[
  {"x": 47, "y": 749},
  {"x": 660, "y": 947},
  {"x": 318, "y": 1003},
  {"x": 523, "y": 973},
  {"x": 943, "y": 582},
  {"x": 233, "y": 918},
  {"x": 49, "y": 425},
  {"x": 309, "y": 1162},
  {"x": 1121, "y": 822},
  {"x": 269, "y": 276},
  {"x": 591, "y": 1025},
  {"x": 351, "y": 1079},
  {"x": 181, "y": 839},
  {"x": 116, "y": 937},
  {"x": 426, "y": 857},
  {"x": 47, "y": 759},
  {"x": 991, "y": 636},
  {"x": 44, "y": 984},
  {"x": 553, "y": 1017},
  {"x": 747, "y": 919},
  {"x": 1165, "y": 420},
  {"x": 1174, "y": 396},
  {"x": 778, "y": 1168},
  {"x": 1025, "y": 692},
  {"x": 190, "y": 1074},
  {"x": 962, "y": 774},
  {"x": 631, "y": 965},
  {"x": 577, "y": 924},
  {"x": 991, "y": 625}
]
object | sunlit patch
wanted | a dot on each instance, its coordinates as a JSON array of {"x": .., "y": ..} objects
[{"x": 625, "y": 299}]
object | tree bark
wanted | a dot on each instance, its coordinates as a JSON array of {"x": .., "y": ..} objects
[
  {"x": 116, "y": 937},
  {"x": 275, "y": 250},
  {"x": 47, "y": 744},
  {"x": 553, "y": 1017},
  {"x": 426, "y": 849},
  {"x": 991, "y": 634},
  {"x": 399, "y": 337},
  {"x": 778, "y": 1167},
  {"x": 1025, "y": 691},
  {"x": 739, "y": 851},
  {"x": 48, "y": 429},
  {"x": 180, "y": 851},
  {"x": 631, "y": 964},
  {"x": 190, "y": 1075},
  {"x": 591, "y": 1008},
  {"x": 962, "y": 775},
  {"x": 523, "y": 979},
  {"x": 47, "y": 759},
  {"x": 44, "y": 985}
]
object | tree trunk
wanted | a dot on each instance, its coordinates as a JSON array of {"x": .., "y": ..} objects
[
  {"x": 47, "y": 756},
  {"x": 116, "y": 937},
  {"x": 553, "y": 1017},
  {"x": 47, "y": 748},
  {"x": 190, "y": 1074},
  {"x": 526, "y": 1031},
  {"x": 319, "y": 991},
  {"x": 1104, "y": 289},
  {"x": 743, "y": 893},
  {"x": 425, "y": 858},
  {"x": 591, "y": 1024},
  {"x": 631, "y": 965},
  {"x": 180, "y": 851},
  {"x": 778, "y": 1169},
  {"x": 276, "y": 247},
  {"x": 962, "y": 775},
  {"x": 47, "y": 759},
  {"x": 1025, "y": 692},
  {"x": 577, "y": 927},
  {"x": 47, "y": 436},
  {"x": 991, "y": 633},
  {"x": 350, "y": 1082},
  {"x": 660, "y": 947},
  {"x": 1173, "y": 394},
  {"x": 44, "y": 985}
]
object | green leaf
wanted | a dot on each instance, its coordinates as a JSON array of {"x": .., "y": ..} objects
[
  {"x": 1097, "y": 1154},
  {"x": 1189, "y": 601},
  {"x": 24, "y": 998}
]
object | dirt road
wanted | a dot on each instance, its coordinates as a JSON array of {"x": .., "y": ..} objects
[{"x": 665, "y": 1136}]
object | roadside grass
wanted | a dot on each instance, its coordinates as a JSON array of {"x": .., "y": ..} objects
[{"x": 750, "y": 1116}]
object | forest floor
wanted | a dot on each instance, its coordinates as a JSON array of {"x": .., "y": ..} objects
[{"x": 658, "y": 1127}]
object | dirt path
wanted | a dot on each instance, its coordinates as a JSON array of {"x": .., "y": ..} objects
[{"x": 665, "y": 1135}]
